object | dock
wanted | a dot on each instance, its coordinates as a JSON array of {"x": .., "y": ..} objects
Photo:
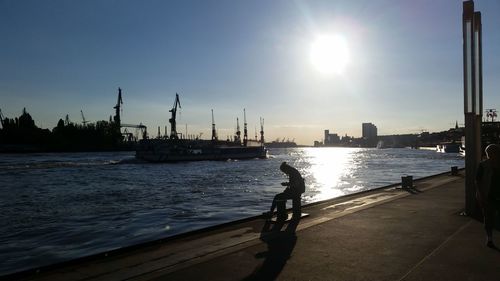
[{"x": 384, "y": 234}]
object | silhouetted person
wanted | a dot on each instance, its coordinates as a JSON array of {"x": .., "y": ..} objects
[
  {"x": 295, "y": 188},
  {"x": 488, "y": 189}
]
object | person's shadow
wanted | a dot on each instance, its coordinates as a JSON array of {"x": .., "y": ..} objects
[{"x": 280, "y": 244}]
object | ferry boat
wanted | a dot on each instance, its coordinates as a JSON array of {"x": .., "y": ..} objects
[
  {"x": 450, "y": 147},
  {"x": 175, "y": 149}
]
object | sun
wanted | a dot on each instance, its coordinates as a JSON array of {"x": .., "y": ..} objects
[{"x": 330, "y": 54}]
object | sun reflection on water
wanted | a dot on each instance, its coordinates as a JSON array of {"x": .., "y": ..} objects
[{"x": 327, "y": 172}]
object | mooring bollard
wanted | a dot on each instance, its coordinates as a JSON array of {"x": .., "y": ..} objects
[
  {"x": 454, "y": 170},
  {"x": 407, "y": 181}
]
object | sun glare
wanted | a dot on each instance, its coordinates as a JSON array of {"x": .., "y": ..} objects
[
  {"x": 329, "y": 167},
  {"x": 330, "y": 54}
]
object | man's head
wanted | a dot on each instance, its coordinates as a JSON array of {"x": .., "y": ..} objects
[
  {"x": 493, "y": 152},
  {"x": 284, "y": 167}
]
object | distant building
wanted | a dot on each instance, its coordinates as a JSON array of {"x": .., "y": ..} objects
[
  {"x": 369, "y": 131},
  {"x": 331, "y": 139},
  {"x": 346, "y": 140}
]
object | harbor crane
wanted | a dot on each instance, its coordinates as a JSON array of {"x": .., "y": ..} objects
[
  {"x": 84, "y": 122},
  {"x": 214, "y": 131},
  {"x": 245, "y": 131},
  {"x": 1, "y": 119},
  {"x": 67, "y": 122},
  {"x": 118, "y": 107},
  {"x": 142, "y": 128},
  {"x": 237, "y": 138},
  {"x": 173, "y": 128},
  {"x": 262, "y": 131},
  {"x": 118, "y": 121}
]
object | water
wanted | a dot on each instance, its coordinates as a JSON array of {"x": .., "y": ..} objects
[{"x": 55, "y": 207}]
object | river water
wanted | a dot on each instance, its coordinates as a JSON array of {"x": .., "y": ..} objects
[{"x": 59, "y": 206}]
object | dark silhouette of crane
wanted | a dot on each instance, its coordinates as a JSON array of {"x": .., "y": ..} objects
[
  {"x": 142, "y": 128},
  {"x": 117, "y": 108},
  {"x": 118, "y": 122},
  {"x": 214, "y": 132},
  {"x": 1, "y": 119},
  {"x": 67, "y": 122},
  {"x": 237, "y": 138},
  {"x": 84, "y": 122},
  {"x": 262, "y": 131},
  {"x": 245, "y": 131},
  {"x": 173, "y": 128}
]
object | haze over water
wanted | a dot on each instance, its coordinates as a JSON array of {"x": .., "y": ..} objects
[{"x": 55, "y": 207}]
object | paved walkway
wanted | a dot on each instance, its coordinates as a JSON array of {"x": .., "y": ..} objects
[{"x": 386, "y": 234}]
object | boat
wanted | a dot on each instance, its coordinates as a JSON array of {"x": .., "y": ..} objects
[
  {"x": 176, "y": 149},
  {"x": 462, "y": 147},
  {"x": 449, "y": 147},
  {"x": 381, "y": 144},
  {"x": 281, "y": 144}
]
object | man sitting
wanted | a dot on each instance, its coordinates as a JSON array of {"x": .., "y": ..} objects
[{"x": 295, "y": 188}]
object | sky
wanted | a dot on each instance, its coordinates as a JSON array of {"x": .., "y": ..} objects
[{"x": 402, "y": 72}]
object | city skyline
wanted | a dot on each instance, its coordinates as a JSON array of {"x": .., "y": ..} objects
[{"x": 397, "y": 65}]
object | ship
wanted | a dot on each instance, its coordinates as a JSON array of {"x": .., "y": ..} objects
[
  {"x": 448, "y": 147},
  {"x": 177, "y": 148}
]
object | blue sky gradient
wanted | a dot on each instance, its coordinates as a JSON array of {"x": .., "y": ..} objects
[{"x": 405, "y": 73}]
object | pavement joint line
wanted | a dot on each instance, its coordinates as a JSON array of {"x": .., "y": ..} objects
[{"x": 435, "y": 250}]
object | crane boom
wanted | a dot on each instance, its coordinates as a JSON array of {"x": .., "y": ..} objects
[
  {"x": 117, "y": 107},
  {"x": 1, "y": 118},
  {"x": 83, "y": 118},
  {"x": 140, "y": 126},
  {"x": 173, "y": 129}
]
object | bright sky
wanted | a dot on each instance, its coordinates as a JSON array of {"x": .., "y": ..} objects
[{"x": 398, "y": 64}]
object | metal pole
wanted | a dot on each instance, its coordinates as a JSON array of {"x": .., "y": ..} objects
[{"x": 473, "y": 100}]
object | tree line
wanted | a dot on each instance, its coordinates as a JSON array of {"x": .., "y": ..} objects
[{"x": 22, "y": 134}]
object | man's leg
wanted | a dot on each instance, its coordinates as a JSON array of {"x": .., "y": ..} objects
[
  {"x": 273, "y": 205},
  {"x": 281, "y": 204},
  {"x": 277, "y": 198},
  {"x": 489, "y": 221},
  {"x": 281, "y": 212},
  {"x": 296, "y": 206}
]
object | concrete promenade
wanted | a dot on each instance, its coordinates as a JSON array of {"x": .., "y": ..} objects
[{"x": 386, "y": 234}]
